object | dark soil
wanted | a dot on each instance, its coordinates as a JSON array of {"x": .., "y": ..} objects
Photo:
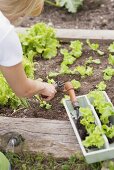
[
  {"x": 111, "y": 140},
  {"x": 81, "y": 129},
  {"x": 95, "y": 14},
  {"x": 43, "y": 67}
]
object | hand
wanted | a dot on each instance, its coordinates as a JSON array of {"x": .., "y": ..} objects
[{"x": 48, "y": 92}]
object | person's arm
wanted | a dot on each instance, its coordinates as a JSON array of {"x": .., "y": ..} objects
[{"x": 23, "y": 86}]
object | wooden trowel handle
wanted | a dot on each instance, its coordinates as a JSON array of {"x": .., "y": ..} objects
[{"x": 68, "y": 87}]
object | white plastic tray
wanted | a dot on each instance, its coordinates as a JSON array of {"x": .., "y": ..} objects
[{"x": 91, "y": 156}]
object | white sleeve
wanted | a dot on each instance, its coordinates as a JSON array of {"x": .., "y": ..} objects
[{"x": 10, "y": 49}]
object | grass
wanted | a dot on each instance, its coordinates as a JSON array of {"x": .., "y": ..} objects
[{"x": 27, "y": 161}]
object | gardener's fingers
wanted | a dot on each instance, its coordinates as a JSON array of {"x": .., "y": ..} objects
[
  {"x": 49, "y": 97},
  {"x": 48, "y": 92}
]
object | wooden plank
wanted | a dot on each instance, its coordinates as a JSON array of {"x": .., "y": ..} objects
[
  {"x": 41, "y": 135},
  {"x": 71, "y": 34}
]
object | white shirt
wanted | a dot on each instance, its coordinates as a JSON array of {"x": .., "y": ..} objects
[{"x": 10, "y": 46}]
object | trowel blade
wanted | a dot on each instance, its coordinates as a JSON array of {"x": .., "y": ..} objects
[{"x": 74, "y": 114}]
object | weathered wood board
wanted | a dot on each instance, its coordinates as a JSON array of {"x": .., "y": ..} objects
[
  {"x": 67, "y": 35},
  {"x": 42, "y": 135}
]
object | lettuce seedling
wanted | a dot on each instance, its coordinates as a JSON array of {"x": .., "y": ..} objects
[
  {"x": 68, "y": 58},
  {"x": 103, "y": 107},
  {"x": 65, "y": 69},
  {"x": 106, "y": 110},
  {"x": 111, "y": 59},
  {"x": 76, "y": 47},
  {"x": 88, "y": 119},
  {"x": 89, "y": 71},
  {"x": 53, "y": 74},
  {"x": 71, "y": 5},
  {"x": 101, "y": 86},
  {"x": 95, "y": 47},
  {"x": 76, "y": 84},
  {"x": 96, "y": 97},
  {"x": 83, "y": 71},
  {"x": 28, "y": 67},
  {"x": 43, "y": 104},
  {"x": 108, "y": 131},
  {"x": 50, "y": 81},
  {"x": 95, "y": 139},
  {"x": 90, "y": 61},
  {"x": 41, "y": 39},
  {"x": 111, "y": 48},
  {"x": 108, "y": 73}
]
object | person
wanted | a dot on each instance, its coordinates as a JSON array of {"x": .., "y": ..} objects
[
  {"x": 11, "y": 51},
  {"x": 11, "y": 13}
]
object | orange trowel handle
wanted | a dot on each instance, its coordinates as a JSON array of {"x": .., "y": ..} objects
[{"x": 68, "y": 87}]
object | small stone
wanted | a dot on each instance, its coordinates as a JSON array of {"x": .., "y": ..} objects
[
  {"x": 50, "y": 24},
  {"x": 58, "y": 26},
  {"x": 101, "y": 17},
  {"x": 104, "y": 22},
  {"x": 76, "y": 27},
  {"x": 25, "y": 111},
  {"x": 102, "y": 5}
]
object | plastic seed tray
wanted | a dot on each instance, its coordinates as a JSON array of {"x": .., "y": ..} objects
[{"x": 91, "y": 155}]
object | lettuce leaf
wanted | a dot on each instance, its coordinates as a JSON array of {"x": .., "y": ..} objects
[{"x": 71, "y": 5}]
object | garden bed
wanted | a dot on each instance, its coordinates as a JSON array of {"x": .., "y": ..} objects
[
  {"x": 88, "y": 83},
  {"x": 58, "y": 132}
]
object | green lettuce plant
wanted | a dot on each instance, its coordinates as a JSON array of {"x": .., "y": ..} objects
[
  {"x": 95, "y": 139},
  {"x": 90, "y": 60},
  {"x": 108, "y": 131},
  {"x": 76, "y": 47},
  {"x": 111, "y": 59},
  {"x": 108, "y": 73},
  {"x": 41, "y": 40},
  {"x": 87, "y": 119},
  {"x": 72, "y": 5},
  {"x": 111, "y": 48},
  {"x": 101, "y": 86},
  {"x": 104, "y": 108},
  {"x": 76, "y": 84},
  {"x": 43, "y": 104},
  {"x": 83, "y": 71},
  {"x": 95, "y": 47}
]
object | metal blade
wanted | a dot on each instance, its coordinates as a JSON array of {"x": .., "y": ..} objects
[{"x": 75, "y": 114}]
